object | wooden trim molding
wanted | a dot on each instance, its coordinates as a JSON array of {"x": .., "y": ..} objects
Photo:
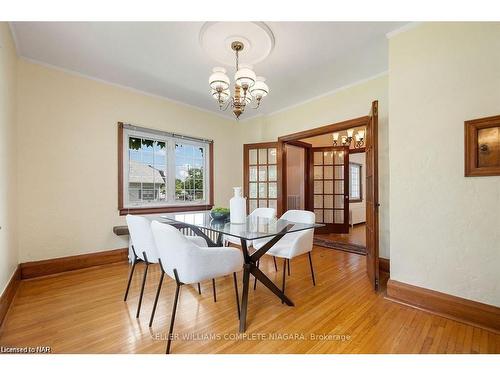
[
  {"x": 452, "y": 307},
  {"x": 9, "y": 293},
  {"x": 160, "y": 209},
  {"x": 71, "y": 263},
  {"x": 384, "y": 265}
]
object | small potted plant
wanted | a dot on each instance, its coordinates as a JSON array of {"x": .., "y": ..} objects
[{"x": 219, "y": 213}]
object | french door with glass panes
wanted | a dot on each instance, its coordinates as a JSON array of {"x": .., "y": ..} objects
[
  {"x": 260, "y": 163},
  {"x": 329, "y": 188}
]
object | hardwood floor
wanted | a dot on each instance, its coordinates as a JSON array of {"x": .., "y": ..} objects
[
  {"x": 83, "y": 312},
  {"x": 356, "y": 235}
]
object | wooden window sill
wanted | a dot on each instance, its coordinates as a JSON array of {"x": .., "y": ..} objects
[{"x": 164, "y": 209}]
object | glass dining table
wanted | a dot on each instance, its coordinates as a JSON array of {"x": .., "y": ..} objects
[{"x": 254, "y": 228}]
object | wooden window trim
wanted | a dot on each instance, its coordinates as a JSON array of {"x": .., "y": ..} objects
[
  {"x": 160, "y": 209},
  {"x": 360, "y": 183},
  {"x": 471, "y": 129}
]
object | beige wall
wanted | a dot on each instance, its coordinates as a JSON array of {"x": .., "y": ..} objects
[
  {"x": 445, "y": 228},
  {"x": 67, "y": 157},
  {"x": 8, "y": 176},
  {"x": 351, "y": 102}
]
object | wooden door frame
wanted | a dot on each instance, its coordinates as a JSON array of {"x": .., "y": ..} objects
[{"x": 294, "y": 137}]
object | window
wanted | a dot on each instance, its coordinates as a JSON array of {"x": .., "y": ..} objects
[
  {"x": 162, "y": 172},
  {"x": 355, "y": 193}
]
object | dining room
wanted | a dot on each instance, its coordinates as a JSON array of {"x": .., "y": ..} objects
[{"x": 184, "y": 195}]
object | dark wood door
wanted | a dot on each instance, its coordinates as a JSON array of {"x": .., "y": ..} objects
[
  {"x": 261, "y": 175},
  {"x": 329, "y": 188},
  {"x": 372, "y": 204}
]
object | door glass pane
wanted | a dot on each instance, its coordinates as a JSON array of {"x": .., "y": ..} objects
[
  {"x": 273, "y": 203},
  {"x": 262, "y": 173},
  {"x": 328, "y": 157},
  {"x": 339, "y": 187},
  {"x": 338, "y": 157},
  {"x": 262, "y": 190},
  {"x": 271, "y": 158},
  {"x": 252, "y": 205},
  {"x": 318, "y": 201},
  {"x": 253, "y": 190},
  {"x": 252, "y": 157},
  {"x": 328, "y": 187},
  {"x": 252, "y": 175},
  {"x": 271, "y": 173},
  {"x": 339, "y": 171},
  {"x": 339, "y": 216},
  {"x": 328, "y": 216},
  {"x": 318, "y": 158},
  {"x": 328, "y": 201},
  {"x": 318, "y": 187},
  {"x": 262, "y": 155},
  {"x": 318, "y": 173},
  {"x": 273, "y": 190},
  {"x": 319, "y": 215},
  {"x": 328, "y": 172},
  {"x": 339, "y": 201},
  {"x": 262, "y": 203}
]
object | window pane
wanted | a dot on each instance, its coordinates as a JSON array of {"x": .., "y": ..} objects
[
  {"x": 339, "y": 216},
  {"x": 318, "y": 172},
  {"x": 328, "y": 187},
  {"x": 339, "y": 172},
  {"x": 318, "y": 187},
  {"x": 262, "y": 155},
  {"x": 189, "y": 172},
  {"x": 318, "y": 158},
  {"x": 328, "y": 172},
  {"x": 273, "y": 190},
  {"x": 271, "y": 159},
  {"x": 328, "y": 216},
  {"x": 253, "y": 190},
  {"x": 271, "y": 174},
  {"x": 262, "y": 173},
  {"x": 319, "y": 216},
  {"x": 328, "y": 201},
  {"x": 262, "y": 203},
  {"x": 339, "y": 201},
  {"x": 339, "y": 187},
  {"x": 252, "y": 205},
  {"x": 252, "y": 176},
  {"x": 262, "y": 190},
  {"x": 338, "y": 157},
  {"x": 328, "y": 157},
  {"x": 252, "y": 157},
  {"x": 318, "y": 201}
]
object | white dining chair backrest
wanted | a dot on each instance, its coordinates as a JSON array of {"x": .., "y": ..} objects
[
  {"x": 302, "y": 240},
  {"x": 139, "y": 229},
  {"x": 266, "y": 212}
]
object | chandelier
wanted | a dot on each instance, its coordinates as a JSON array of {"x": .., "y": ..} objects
[
  {"x": 358, "y": 138},
  {"x": 248, "y": 87}
]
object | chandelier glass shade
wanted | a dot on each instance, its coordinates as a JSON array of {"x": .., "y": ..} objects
[{"x": 247, "y": 88}]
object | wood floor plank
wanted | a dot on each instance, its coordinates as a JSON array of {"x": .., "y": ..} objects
[{"x": 83, "y": 312}]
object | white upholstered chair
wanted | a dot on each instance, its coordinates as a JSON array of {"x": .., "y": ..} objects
[
  {"x": 293, "y": 244},
  {"x": 187, "y": 263},
  {"x": 144, "y": 249}
]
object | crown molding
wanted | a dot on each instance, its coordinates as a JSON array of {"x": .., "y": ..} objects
[{"x": 402, "y": 29}]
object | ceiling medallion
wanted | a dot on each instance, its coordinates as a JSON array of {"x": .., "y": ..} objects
[{"x": 252, "y": 41}]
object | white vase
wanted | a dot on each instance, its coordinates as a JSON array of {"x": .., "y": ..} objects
[{"x": 238, "y": 207}]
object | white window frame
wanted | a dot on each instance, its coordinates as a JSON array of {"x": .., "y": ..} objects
[
  {"x": 170, "y": 140},
  {"x": 359, "y": 167}
]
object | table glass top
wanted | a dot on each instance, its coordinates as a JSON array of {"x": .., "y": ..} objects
[{"x": 253, "y": 228}]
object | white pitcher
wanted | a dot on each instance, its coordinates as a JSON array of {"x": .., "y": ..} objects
[{"x": 238, "y": 207}]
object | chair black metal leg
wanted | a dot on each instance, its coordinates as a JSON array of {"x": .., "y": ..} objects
[
  {"x": 130, "y": 277},
  {"x": 237, "y": 296},
  {"x": 174, "y": 309},
  {"x": 213, "y": 286},
  {"x": 288, "y": 262},
  {"x": 284, "y": 278},
  {"x": 156, "y": 298},
  {"x": 143, "y": 284},
  {"x": 255, "y": 279},
  {"x": 199, "y": 288},
  {"x": 275, "y": 265},
  {"x": 312, "y": 270}
]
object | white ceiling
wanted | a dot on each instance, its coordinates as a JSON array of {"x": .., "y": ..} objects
[{"x": 165, "y": 58}]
